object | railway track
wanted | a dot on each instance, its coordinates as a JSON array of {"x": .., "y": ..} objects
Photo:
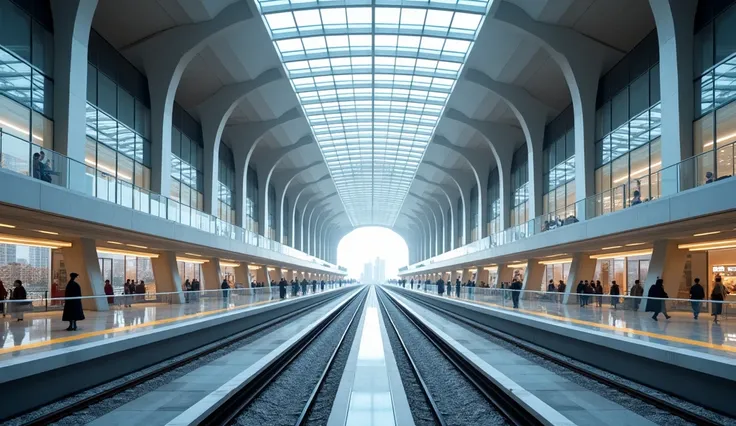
[
  {"x": 662, "y": 404},
  {"x": 514, "y": 412}
]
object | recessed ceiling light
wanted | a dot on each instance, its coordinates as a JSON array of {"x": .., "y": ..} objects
[
  {"x": 706, "y": 233},
  {"x": 634, "y": 244},
  {"x": 194, "y": 254},
  {"x": 5, "y": 225},
  {"x": 610, "y": 248},
  {"x": 47, "y": 232},
  {"x": 136, "y": 246},
  {"x": 115, "y": 242}
]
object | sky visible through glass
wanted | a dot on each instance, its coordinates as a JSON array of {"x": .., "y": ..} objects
[{"x": 373, "y": 78}]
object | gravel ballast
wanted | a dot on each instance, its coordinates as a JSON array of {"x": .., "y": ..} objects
[
  {"x": 282, "y": 402},
  {"x": 459, "y": 402}
]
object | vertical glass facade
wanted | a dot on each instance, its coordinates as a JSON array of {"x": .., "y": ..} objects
[
  {"x": 519, "y": 187},
  {"x": 298, "y": 229},
  {"x": 271, "y": 212},
  {"x": 558, "y": 166},
  {"x": 251, "y": 201},
  {"x": 714, "y": 127},
  {"x": 493, "y": 221},
  {"x": 26, "y": 85},
  {"x": 474, "y": 214},
  {"x": 628, "y": 118},
  {"x": 118, "y": 119},
  {"x": 226, "y": 185},
  {"x": 448, "y": 238},
  {"x": 187, "y": 162}
]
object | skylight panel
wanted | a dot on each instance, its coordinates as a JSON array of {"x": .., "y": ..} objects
[{"x": 373, "y": 82}]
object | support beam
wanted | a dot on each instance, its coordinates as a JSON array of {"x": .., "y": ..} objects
[
  {"x": 212, "y": 274},
  {"x": 582, "y": 268},
  {"x": 166, "y": 275},
  {"x": 82, "y": 258},
  {"x": 668, "y": 263},
  {"x": 534, "y": 275}
]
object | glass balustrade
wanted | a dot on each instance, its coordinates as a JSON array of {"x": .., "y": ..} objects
[
  {"x": 690, "y": 173},
  {"x": 40, "y": 163}
]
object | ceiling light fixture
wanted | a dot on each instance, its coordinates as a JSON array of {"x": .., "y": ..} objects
[
  {"x": 516, "y": 265},
  {"x": 117, "y": 243},
  {"x": 136, "y": 246},
  {"x": 706, "y": 244},
  {"x": 722, "y": 247},
  {"x": 190, "y": 260},
  {"x": 556, "y": 261},
  {"x": 702, "y": 234},
  {"x": 108, "y": 250},
  {"x": 5, "y": 225},
  {"x": 634, "y": 244},
  {"x": 229, "y": 264},
  {"x": 47, "y": 232},
  {"x": 621, "y": 254},
  {"x": 610, "y": 248},
  {"x": 193, "y": 254},
  {"x": 33, "y": 242}
]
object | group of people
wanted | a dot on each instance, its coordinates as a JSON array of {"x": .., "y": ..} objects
[
  {"x": 469, "y": 285},
  {"x": 41, "y": 167},
  {"x": 73, "y": 310},
  {"x": 191, "y": 290},
  {"x": 558, "y": 222},
  {"x": 297, "y": 286}
]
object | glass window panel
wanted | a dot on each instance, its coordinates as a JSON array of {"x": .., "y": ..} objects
[
  {"x": 125, "y": 168},
  {"x": 703, "y": 131},
  {"x": 620, "y": 108},
  {"x": 43, "y": 131},
  {"x": 620, "y": 171},
  {"x": 726, "y": 125},
  {"x": 15, "y": 30},
  {"x": 43, "y": 49},
  {"x": 91, "y": 84},
  {"x": 725, "y": 34},
  {"x": 126, "y": 108},
  {"x": 106, "y": 94},
  {"x": 703, "y": 49},
  {"x": 106, "y": 160},
  {"x": 654, "y": 85},
  {"x": 639, "y": 94},
  {"x": 15, "y": 119}
]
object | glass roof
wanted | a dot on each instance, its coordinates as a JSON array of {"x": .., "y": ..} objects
[{"x": 373, "y": 78}]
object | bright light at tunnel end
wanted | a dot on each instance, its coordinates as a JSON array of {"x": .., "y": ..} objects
[{"x": 363, "y": 245}]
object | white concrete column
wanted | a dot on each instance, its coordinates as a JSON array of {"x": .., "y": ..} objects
[
  {"x": 72, "y": 24},
  {"x": 504, "y": 275},
  {"x": 212, "y": 274},
  {"x": 668, "y": 263},
  {"x": 675, "y": 26},
  {"x": 582, "y": 268},
  {"x": 534, "y": 275},
  {"x": 166, "y": 274},
  {"x": 242, "y": 275},
  {"x": 82, "y": 258}
]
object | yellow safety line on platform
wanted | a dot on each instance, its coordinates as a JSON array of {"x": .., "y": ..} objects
[
  {"x": 75, "y": 337},
  {"x": 607, "y": 327}
]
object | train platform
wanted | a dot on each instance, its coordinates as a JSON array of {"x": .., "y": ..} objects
[
  {"x": 370, "y": 391},
  {"x": 661, "y": 354},
  {"x": 44, "y": 331},
  {"x": 41, "y": 361}
]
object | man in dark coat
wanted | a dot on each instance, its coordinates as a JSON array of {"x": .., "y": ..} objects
[
  {"x": 73, "y": 308},
  {"x": 696, "y": 295},
  {"x": 282, "y": 288},
  {"x": 655, "y": 302},
  {"x": 305, "y": 283},
  {"x": 441, "y": 286},
  {"x": 515, "y": 292}
]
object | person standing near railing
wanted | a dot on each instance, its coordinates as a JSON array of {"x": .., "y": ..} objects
[
  {"x": 73, "y": 311},
  {"x": 515, "y": 292},
  {"x": 440, "y": 287},
  {"x": 282, "y": 288},
  {"x": 17, "y": 309},
  {"x": 615, "y": 292},
  {"x": 109, "y": 292},
  {"x": 637, "y": 291},
  {"x": 561, "y": 290},
  {"x": 697, "y": 293},
  {"x": 718, "y": 295}
]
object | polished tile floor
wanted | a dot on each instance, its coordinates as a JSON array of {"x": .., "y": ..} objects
[
  {"x": 681, "y": 331},
  {"x": 45, "y": 331}
]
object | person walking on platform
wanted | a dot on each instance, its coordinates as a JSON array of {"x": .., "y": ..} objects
[
  {"x": 457, "y": 288},
  {"x": 440, "y": 287},
  {"x": 561, "y": 287},
  {"x": 225, "y": 290},
  {"x": 3, "y": 296},
  {"x": 615, "y": 292},
  {"x": 109, "y": 292},
  {"x": 637, "y": 291},
  {"x": 73, "y": 311},
  {"x": 141, "y": 289},
  {"x": 19, "y": 308},
  {"x": 718, "y": 295},
  {"x": 655, "y": 300},
  {"x": 515, "y": 292},
  {"x": 322, "y": 286},
  {"x": 282, "y": 288},
  {"x": 411, "y": 283},
  {"x": 599, "y": 292},
  {"x": 696, "y": 295},
  {"x": 314, "y": 285},
  {"x": 305, "y": 283},
  {"x": 580, "y": 290}
]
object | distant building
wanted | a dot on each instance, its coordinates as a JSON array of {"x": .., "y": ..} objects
[
  {"x": 367, "y": 273},
  {"x": 379, "y": 270},
  {"x": 39, "y": 257},
  {"x": 7, "y": 254}
]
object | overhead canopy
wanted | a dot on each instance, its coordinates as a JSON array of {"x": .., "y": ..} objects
[{"x": 373, "y": 78}]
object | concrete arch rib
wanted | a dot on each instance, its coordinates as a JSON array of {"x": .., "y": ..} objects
[
  {"x": 282, "y": 184},
  {"x": 165, "y": 56},
  {"x": 581, "y": 60},
  {"x": 447, "y": 191},
  {"x": 299, "y": 190},
  {"x": 434, "y": 233},
  {"x": 463, "y": 181},
  {"x": 214, "y": 113}
]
